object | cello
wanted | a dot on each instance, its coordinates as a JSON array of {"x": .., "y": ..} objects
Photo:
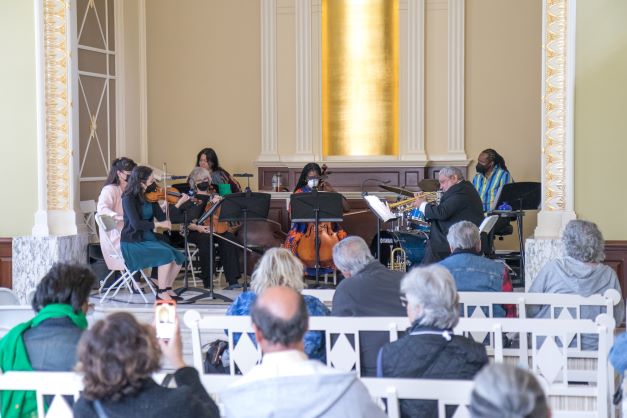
[{"x": 327, "y": 238}]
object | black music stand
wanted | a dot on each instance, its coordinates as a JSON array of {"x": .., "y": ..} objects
[
  {"x": 520, "y": 196},
  {"x": 244, "y": 207},
  {"x": 317, "y": 207},
  {"x": 203, "y": 293}
]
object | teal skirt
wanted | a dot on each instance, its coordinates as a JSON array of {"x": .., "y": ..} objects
[{"x": 149, "y": 253}]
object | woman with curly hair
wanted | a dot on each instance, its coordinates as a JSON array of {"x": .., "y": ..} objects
[{"x": 118, "y": 356}]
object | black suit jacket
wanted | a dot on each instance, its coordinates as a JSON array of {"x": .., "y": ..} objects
[{"x": 460, "y": 202}]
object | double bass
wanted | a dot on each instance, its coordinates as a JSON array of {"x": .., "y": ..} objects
[{"x": 327, "y": 238}]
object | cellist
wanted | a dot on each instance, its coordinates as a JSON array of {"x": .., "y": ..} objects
[
  {"x": 204, "y": 191},
  {"x": 311, "y": 177}
]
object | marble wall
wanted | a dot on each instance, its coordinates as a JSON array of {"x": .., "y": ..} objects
[
  {"x": 33, "y": 257},
  {"x": 537, "y": 253}
]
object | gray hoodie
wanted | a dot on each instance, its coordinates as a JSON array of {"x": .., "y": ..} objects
[
  {"x": 337, "y": 395},
  {"x": 570, "y": 276}
]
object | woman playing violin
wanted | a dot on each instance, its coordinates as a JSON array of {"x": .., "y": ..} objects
[
  {"x": 311, "y": 177},
  {"x": 200, "y": 183},
  {"x": 140, "y": 248},
  {"x": 208, "y": 159}
]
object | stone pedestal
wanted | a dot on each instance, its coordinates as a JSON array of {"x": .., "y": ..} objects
[
  {"x": 33, "y": 257},
  {"x": 539, "y": 251}
]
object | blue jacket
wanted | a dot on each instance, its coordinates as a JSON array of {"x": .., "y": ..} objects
[
  {"x": 474, "y": 273},
  {"x": 314, "y": 340}
]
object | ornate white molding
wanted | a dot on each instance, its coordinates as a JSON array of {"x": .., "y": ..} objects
[
  {"x": 558, "y": 75},
  {"x": 269, "y": 135},
  {"x": 456, "y": 46},
  {"x": 412, "y": 138},
  {"x": 56, "y": 118}
]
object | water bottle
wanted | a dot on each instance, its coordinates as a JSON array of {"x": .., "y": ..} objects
[{"x": 276, "y": 182}]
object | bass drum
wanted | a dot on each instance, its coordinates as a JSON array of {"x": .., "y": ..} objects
[{"x": 413, "y": 242}]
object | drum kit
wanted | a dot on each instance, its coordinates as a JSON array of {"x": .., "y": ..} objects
[{"x": 403, "y": 245}]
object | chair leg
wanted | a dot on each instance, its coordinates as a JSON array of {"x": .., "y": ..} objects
[{"x": 104, "y": 281}]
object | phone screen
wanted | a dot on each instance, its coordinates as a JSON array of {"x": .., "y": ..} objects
[{"x": 165, "y": 317}]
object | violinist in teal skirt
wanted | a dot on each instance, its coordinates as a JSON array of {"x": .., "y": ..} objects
[{"x": 140, "y": 247}]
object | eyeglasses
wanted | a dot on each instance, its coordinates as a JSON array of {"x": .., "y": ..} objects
[{"x": 404, "y": 301}]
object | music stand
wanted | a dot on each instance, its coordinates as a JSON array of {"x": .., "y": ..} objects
[
  {"x": 204, "y": 294},
  {"x": 317, "y": 207},
  {"x": 520, "y": 196},
  {"x": 244, "y": 207}
]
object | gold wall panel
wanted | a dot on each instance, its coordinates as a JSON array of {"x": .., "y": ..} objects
[{"x": 360, "y": 77}]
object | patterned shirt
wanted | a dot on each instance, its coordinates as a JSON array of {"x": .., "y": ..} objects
[
  {"x": 489, "y": 187},
  {"x": 315, "y": 347}
]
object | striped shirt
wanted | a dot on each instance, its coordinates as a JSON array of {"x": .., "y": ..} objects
[{"x": 489, "y": 187}]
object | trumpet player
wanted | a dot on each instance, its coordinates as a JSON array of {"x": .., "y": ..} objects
[{"x": 459, "y": 202}]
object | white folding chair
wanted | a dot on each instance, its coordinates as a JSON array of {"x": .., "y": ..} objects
[
  {"x": 126, "y": 278},
  {"x": 7, "y": 297},
  {"x": 88, "y": 209}
]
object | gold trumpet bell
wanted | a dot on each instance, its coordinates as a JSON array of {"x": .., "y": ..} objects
[{"x": 398, "y": 260}]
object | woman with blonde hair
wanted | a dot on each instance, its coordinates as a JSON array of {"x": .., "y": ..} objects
[{"x": 279, "y": 267}]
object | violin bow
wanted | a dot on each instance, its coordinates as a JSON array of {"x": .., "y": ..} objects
[{"x": 165, "y": 192}]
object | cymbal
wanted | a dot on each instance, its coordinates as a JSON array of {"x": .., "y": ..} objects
[
  {"x": 397, "y": 190},
  {"x": 429, "y": 185}
]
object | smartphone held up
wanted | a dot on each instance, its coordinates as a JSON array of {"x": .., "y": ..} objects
[{"x": 165, "y": 319}]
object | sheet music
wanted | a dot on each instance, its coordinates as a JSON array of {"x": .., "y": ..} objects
[{"x": 379, "y": 208}]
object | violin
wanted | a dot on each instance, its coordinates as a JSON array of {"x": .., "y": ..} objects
[
  {"x": 169, "y": 194},
  {"x": 327, "y": 238}
]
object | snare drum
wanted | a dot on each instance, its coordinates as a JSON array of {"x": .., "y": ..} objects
[{"x": 412, "y": 242}]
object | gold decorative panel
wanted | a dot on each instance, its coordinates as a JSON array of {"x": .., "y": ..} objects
[
  {"x": 360, "y": 77},
  {"x": 57, "y": 102},
  {"x": 554, "y": 104}
]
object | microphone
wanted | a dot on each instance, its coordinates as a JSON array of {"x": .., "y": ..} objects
[
  {"x": 363, "y": 184},
  {"x": 242, "y": 175}
]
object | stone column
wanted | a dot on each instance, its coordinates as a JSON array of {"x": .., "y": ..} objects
[
  {"x": 558, "y": 77},
  {"x": 57, "y": 234}
]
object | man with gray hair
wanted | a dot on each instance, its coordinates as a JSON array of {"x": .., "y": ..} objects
[
  {"x": 430, "y": 350},
  {"x": 460, "y": 202},
  {"x": 473, "y": 272},
  {"x": 369, "y": 289},
  {"x": 580, "y": 272}
]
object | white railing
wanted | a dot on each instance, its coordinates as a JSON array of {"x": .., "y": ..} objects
[{"x": 540, "y": 347}]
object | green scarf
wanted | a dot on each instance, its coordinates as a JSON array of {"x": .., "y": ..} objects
[{"x": 13, "y": 357}]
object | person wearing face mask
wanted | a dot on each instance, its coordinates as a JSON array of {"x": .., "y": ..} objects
[
  {"x": 200, "y": 181},
  {"x": 492, "y": 175},
  {"x": 110, "y": 204},
  {"x": 140, "y": 248},
  {"x": 310, "y": 179}
]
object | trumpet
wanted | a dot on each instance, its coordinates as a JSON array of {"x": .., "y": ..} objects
[{"x": 403, "y": 205}]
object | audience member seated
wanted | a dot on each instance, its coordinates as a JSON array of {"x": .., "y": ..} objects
[
  {"x": 579, "y": 272},
  {"x": 507, "y": 391},
  {"x": 473, "y": 272},
  {"x": 369, "y": 289},
  {"x": 279, "y": 267},
  {"x": 118, "y": 356},
  {"x": 430, "y": 350},
  {"x": 48, "y": 341},
  {"x": 286, "y": 383}
]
